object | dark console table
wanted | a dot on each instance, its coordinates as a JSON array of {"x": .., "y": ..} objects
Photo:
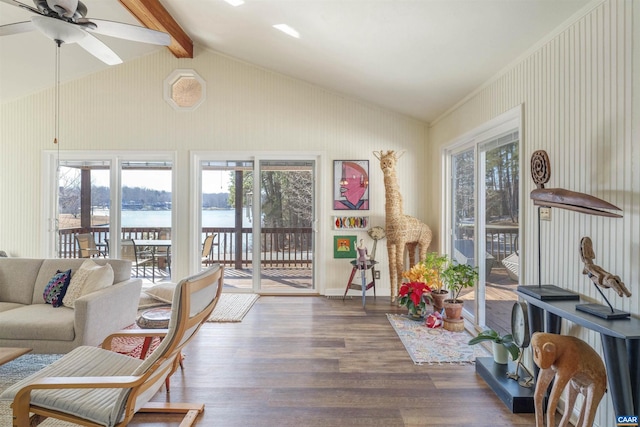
[{"x": 620, "y": 344}]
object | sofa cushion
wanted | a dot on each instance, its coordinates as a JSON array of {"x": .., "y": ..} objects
[
  {"x": 90, "y": 277},
  {"x": 4, "y": 306},
  {"x": 38, "y": 322},
  {"x": 56, "y": 288},
  {"x": 17, "y": 276}
]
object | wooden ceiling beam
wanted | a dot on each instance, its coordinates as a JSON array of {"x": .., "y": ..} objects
[{"x": 153, "y": 15}]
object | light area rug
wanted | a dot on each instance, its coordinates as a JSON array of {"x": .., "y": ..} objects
[
  {"x": 232, "y": 307},
  {"x": 18, "y": 369},
  {"x": 434, "y": 346}
]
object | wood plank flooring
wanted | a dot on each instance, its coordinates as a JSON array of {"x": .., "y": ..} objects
[{"x": 314, "y": 361}]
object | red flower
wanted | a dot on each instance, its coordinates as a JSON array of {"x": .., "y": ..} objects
[
  {"x": 411, "y": 294},
  {"x": 404, "y": 289}
]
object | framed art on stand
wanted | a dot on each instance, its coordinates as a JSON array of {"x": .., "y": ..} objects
[{"x": 351, "y": 184}]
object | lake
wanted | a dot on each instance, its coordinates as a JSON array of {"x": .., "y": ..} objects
[{"x": 210, "y": 218}]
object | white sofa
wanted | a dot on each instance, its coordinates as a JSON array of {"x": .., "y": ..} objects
[{"x": 27, "y": 321}]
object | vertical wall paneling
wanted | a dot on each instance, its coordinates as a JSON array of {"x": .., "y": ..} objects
[
  {"x": 247, "y": 109},
  {"x": 578, "y": 100}
]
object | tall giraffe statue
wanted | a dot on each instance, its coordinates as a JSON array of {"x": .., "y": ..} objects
[{"x": 402, "y": 230}]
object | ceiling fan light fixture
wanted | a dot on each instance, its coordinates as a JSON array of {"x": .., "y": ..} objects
[{"x": 58, "y": 30}]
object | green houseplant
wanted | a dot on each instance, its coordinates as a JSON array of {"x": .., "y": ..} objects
[
  {"x": 434, "y": 264},
  {"x": 457, "y": 277},
  {"x": 502, "y": 345}
]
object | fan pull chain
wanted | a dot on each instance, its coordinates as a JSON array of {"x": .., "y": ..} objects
[
  {"x": 55, "y": 141},
  {"x": 57, "y": 96}
]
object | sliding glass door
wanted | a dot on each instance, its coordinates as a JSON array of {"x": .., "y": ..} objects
[
  {"x": 103, "y": 200},
  {"x": 261, "y": 229},
  {"x": 287, "y": 200},
  {"x": 483, "y": 218}
]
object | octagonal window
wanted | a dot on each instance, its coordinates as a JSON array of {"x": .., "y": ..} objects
[{"x": 184, "y": 90}]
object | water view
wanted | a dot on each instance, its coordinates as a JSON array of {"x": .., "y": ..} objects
[{"x": 210, "y": 218}]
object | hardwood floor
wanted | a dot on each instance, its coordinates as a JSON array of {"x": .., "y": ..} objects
[{"x": 314, "y": 361}]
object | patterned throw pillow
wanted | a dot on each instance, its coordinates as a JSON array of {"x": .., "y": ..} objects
[
  {"x": 56, "y": 288},
  {"x": 90, "y": 277}
]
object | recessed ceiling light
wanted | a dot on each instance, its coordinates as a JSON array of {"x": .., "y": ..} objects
[
  {"x": 235, "y": 2},
  {"x": 287, "y": 30}
]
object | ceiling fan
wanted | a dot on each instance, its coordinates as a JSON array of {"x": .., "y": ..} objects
[{"x": 64, "y": 21}]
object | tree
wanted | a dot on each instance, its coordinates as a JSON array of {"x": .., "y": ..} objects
[
  {"x": 502, "y": 181},
  {"x": 69, "y": 191}
]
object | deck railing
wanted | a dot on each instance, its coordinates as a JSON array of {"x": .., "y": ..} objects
[{"x": 280, "y": 247}]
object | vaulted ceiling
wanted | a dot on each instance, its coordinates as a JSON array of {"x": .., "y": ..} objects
[{"x": 416, "y": 57}]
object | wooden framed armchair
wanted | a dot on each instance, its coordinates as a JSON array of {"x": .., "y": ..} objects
[{"x": 93, "y": 386}]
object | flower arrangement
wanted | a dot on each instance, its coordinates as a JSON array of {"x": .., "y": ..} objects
[
  {"x": 434, "y": 265},
  {"x": 412, "y": 295},
  {"x": 428, "y": 271}
]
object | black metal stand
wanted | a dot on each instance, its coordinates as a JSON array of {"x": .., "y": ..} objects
[
  {"x": 549, "y": 293},
  {"x": 602, "y": 311},
  {"x": 546, "y": 292}
]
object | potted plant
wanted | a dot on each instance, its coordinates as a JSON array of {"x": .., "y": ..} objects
[
  {"x": 412, "y": 295},
  {"x": 457, "y": 277},
  {"x": 503, "y": 345},
  {"x": 432, "y": 266}
]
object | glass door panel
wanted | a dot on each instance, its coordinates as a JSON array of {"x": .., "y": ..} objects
[
  {"x": 83, "y": 207},
  {"x": 145, "y": 217},
  {"x": 500, "y": 209},
  {"x": 463, "y": 199},
  {"x": 227, "y": 220},
  {"x": 286, "y": 225},
  {"x": 484, "y": 197}
]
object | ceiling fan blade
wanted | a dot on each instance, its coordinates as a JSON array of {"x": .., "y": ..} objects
[
  {"x": 17, "y": 28},
  {"x": 126, "y": 31},
  {"x": 22, "y": 5},
  {"x": 100, "y": 50}
]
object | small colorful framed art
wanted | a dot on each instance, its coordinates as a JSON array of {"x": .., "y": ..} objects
[
  {"x": 344, "y": 246},
  {"x": 350, "y": 222}
]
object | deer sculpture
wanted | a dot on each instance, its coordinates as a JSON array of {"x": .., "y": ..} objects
[{"x": 402, "y": 231}]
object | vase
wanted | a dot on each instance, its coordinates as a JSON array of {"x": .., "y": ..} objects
[
  {"x": 418, "y": 315},
  {"x": 500, "y": 354},
  {"x": 438, "y": 298}
]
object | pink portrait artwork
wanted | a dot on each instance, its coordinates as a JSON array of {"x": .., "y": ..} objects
[{"x": 351, "y": 185}]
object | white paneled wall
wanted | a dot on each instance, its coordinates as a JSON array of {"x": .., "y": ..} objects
[
  {"x": 579, "y": 105},
  {"x": 247, "y": 109}
]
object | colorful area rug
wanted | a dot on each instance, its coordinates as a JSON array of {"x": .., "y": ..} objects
[
  {"x": 434, "y": 346},
  {"x": 232, "y": 307}
]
